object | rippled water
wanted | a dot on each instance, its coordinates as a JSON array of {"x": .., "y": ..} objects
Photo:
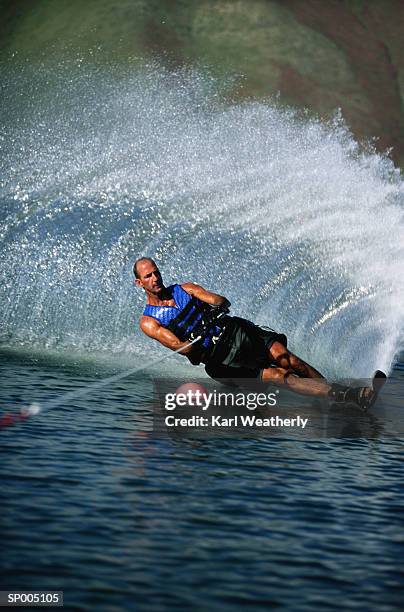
[{"x": 97, "y": 506}]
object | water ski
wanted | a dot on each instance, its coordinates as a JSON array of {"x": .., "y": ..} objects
[
  {"x": 365, "y": 399},
  {"x": 378, "y": 382}
]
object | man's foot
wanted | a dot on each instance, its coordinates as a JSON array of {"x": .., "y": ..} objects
[{"x": 364, "y": 397}]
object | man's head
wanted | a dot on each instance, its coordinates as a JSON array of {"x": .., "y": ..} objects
[{"x": 148, "y": 276}]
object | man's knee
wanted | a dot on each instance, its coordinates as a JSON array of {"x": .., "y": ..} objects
[
  {"x": 299, "y": 366},
  {"x": 280, "y": 355},
  {"x": 288, "y": 361},
  {"x": 278, "y": 376},
  {"x": 278, "y": 351}
]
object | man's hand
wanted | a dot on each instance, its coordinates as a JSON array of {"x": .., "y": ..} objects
[
  {"x": 209, "y": 319},
  {"x": 224, "y": 307}
]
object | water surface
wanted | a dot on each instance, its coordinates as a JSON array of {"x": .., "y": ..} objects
[{"x": 96, "y": 505}]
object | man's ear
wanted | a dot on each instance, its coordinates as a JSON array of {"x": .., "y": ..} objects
[{"x": 138, "y": 282}]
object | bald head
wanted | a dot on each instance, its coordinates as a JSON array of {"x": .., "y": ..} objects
[
  {"x": 140, "y": 261},
  {"x": 148, "y": 276}
]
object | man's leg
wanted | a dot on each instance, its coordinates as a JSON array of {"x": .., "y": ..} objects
[
  {"x": 288, "y": 361},
  {"x": 288, "y": 377},
  {"x": 364, "y": 397}
]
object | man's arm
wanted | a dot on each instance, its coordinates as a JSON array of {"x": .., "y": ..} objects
[
  {"x": 154, "y": 330},
  {"x": 202, "y": 294}
]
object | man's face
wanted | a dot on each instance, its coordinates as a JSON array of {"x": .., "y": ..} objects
[{"x": 150, "y": 277}]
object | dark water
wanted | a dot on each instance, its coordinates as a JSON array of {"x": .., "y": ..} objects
[{"x": 95, "y": 505}]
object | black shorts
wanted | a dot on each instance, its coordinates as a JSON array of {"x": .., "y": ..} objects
[{"x": 242, "y": 350}]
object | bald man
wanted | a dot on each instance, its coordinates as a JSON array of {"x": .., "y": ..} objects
[{"x": 230, "y": 347}]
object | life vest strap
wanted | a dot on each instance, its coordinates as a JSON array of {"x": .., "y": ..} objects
[{"x": 187, "y": 318}]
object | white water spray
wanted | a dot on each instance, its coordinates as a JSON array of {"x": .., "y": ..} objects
[{"x": 287, "y": 216}]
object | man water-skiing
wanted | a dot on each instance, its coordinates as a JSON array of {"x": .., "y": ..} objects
[{"x": 230, "y": 347}]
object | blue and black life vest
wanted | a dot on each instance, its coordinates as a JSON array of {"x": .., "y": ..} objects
[{"x": 185, "y": 317}]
